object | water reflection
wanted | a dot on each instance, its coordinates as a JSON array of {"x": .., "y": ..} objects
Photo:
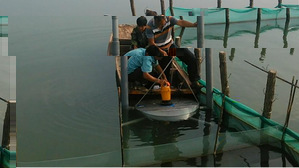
[{"x": 159, "y": 139}]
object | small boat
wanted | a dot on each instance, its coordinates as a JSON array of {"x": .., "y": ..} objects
[
  {"x": 257, "y": 129},
  {"x": 184, "y": 103},
  {"x": 8, "y": 147}
]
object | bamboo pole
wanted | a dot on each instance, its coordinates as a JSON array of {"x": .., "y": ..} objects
[
  {"x": 279, "y": 3},
  {"x": 133, "y": 7},
  {"x": 286, "y": 29},
  {"x": 250, "y": 3},
  {"x": 172, "y": 14},
  {"x": 223, "y": 73},
  {"x": 290, "y": 104},
  {"x": 171, "y": 7},
  {"x": 162, "y": 7},
  {"x": 225, "y": 38},
  {"x": 269, "y": 96},
  {"x": 227, "y": 16},
  {"x": 197, "y": 53},
  {"x": 219, "y": 4}
]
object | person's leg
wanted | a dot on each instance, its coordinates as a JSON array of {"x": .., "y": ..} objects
[
  {"x": 185, "y": 55},
  {"x": 137, "y": 75}
]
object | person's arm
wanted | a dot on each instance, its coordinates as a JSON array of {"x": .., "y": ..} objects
[
  {"x": 150, "y": 78},
  {"x": 152, "y": 42},
  {"x": 184, "y": 23},
  {"x": 159, "y": 69}
]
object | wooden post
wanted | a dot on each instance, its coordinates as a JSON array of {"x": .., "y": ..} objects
[
  {"x": 197, "y": 53},
  {"x": 223, "y": 73},
  {"x": 172, "y": 14},
  {"x": 250, "y": 3},
  {"x": 225, "y": 38},
  {"x": 258, "y": 28},
  {"x": 269, "y": 96},
  {"x": 279, "y": 3},
  {"x": 288, "y": 14},
  {"x": 171, "y": 7},
  {"x": 162, "y": 7},
  {"x": 219, "y": 4},
  {"x": 133, "y": 7},
  {"x": 178, "y": 41},
  {"x": 286, "y": 29},
  {"x": 227, "y": 16}
]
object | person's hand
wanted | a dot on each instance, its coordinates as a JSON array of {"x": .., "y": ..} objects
[{"x": 164, "y": 53}]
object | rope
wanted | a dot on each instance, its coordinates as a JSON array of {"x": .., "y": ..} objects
[
  {"x": 154, "y": 82},
  {"x": 4, "y": 100},
  {"x": 189, "y": 86}
]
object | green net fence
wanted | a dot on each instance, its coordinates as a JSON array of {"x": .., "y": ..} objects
[
  {"x": 7, "y": 158},
  {"x": 251, "y": 127},
  {"x": 218, "y": 15}
]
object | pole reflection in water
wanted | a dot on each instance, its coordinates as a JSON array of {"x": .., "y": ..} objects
[
  {"x": 232, "y": 54},
  {"x": 225, "y": 38},
  {"x": 285, "y": 33},
  {"x": 263, "y": 54},
  {"x": 158, "y": 140},
  {"x": 292, "y": 50}
]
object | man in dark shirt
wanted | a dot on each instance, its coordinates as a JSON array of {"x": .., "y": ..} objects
[
  {"x": 138, "y": 37},
  {"x": 159, "y": 34}
]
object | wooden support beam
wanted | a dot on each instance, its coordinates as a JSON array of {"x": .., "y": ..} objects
[
  {"x": 219, "y": 3},
  {"x": 258, "y": 28},
  {"x": 133, "y": 7},
  {"x": 223, "y": 73},
  {"x": 250, "y": 3},
  {"x": 269, "y": 96},
  {"x": 171, "y": 7},
  {"x": 162, "y": 7},
  {"x": 197, "y": 53},
  {"x": 227, "y": 16}
]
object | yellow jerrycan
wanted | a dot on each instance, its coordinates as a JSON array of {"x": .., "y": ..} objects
[{"x": 166, "y": 94}]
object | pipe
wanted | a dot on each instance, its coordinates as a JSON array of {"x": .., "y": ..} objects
[{"x": 200, "y": 31}]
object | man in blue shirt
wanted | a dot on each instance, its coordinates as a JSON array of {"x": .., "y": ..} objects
[{"x": 141, "y": 63}]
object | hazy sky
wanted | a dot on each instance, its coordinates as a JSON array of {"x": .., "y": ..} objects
[{"x": 112, "y": 7}]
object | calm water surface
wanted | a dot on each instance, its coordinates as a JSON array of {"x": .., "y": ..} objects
[{"x": 67, "y": 98}]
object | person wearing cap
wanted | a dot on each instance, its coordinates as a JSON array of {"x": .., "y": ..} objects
[
  {"x": 142, "y": 63},
  {"x": 159, "y": 34},
  {"x": 138, "y": 37}
]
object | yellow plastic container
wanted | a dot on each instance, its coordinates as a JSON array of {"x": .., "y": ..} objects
[{"x": 165, "y": 93}]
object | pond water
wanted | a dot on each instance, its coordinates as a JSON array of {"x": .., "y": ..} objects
[{"x": 67, "y": 111}]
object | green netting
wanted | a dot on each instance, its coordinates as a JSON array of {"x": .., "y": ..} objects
[
  {"x": 8, "y": 158},
  {"x": 3, "y": 20},
  {"x": 218, "y": 15},
  {"x": 254, "y": 127}
]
